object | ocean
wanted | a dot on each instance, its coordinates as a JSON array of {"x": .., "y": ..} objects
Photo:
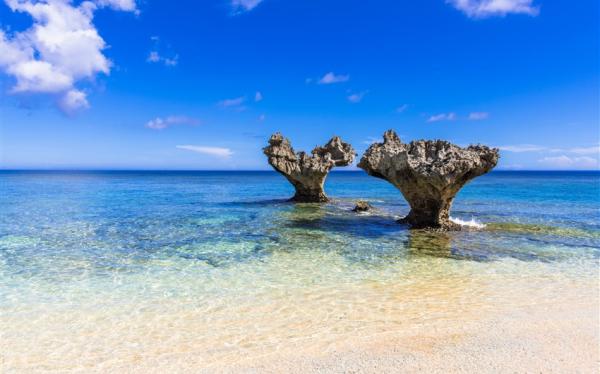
[{"x": 113, "y": 270}]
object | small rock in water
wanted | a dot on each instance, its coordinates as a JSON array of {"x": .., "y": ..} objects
[{"x": 362, "y": 206}]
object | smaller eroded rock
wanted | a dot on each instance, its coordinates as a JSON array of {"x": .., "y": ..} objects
[
  {"x": 307, "y": 173},
  {"x": 362, "y": 206},
  {"x": 429, "y": 173}
]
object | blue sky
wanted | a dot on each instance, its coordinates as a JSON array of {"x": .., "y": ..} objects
[{"x": 120, "y": 84}]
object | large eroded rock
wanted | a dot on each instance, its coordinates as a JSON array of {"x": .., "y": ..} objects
[
  {"x": 305, "y": 172},
  {"x": 429, "y": 173}
]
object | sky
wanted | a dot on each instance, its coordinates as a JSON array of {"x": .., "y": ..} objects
[{"x": 153, "y": 84}]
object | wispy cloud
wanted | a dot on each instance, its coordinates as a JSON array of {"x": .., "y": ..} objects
[
  {"x": 442, "y": 117},
  {"x": 478, "y": 116},
  {"x": 489, "y": 8},
  {"x": 401, "y": 108},
  {"x": 160, "y": 123},
  {"x": 262, "y": 117},
  {"x": 241, "y": 6},
  {"x": 61, "y": 48},
  {"x": 519, "y": 148},
  {"x": 258, "y": 96},
  {"x": 211, "y": 151},
  {"x": 565, "y": 161},
  {"x": 331, "y": 78},
  {"x": 593, "y": 150},
  {"x": 357, "y": 97},
  {"x": 235, "y": 102},
  {"x": 370, "y": 140},
  {"x": 125, "y": 5}
]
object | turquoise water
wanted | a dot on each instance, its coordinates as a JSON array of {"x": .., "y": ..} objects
[{"x": 81, "y": 250}]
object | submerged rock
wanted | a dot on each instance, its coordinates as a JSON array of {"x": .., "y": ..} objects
[
  {"x": 429, "y": 173},
  {"x": 362, "y": 206},
  {"x": 305, "y": 172}
]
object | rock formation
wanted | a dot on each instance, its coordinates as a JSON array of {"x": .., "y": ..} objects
[
  {"x": 307, "y": 173},
  {"x": 362, "y": 206},
  {"x": 429, "y": 173}
]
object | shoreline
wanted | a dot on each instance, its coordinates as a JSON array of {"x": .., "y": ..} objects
[{"x": 487, "y": 322}]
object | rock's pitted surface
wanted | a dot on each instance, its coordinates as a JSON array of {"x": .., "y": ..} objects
[
  {"x": 429, "y": 173},
  {"x": 305, "y": 172}
]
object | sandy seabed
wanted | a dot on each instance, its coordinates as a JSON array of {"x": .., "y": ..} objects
[{"x": 464, "y": 319}]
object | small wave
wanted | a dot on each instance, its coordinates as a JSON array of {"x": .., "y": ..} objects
[{"x": 471, "y": 223}]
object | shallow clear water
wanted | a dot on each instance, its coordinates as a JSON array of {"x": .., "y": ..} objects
[{"x": 105, "y": 268}]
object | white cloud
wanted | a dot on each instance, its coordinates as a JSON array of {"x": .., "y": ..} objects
[
  {"x": 258, "y": 96},
  {"x": 567, "y": 162},
  {"x": 402, "y": 108},
  {"x": 442, "y": 117},
  {"x": 61, "y": 48},
  {"x": 155, "y": 57},
  {"x": 73, "y": 101},
  {"x": 478, "y": 116},
  {"x": 261, "y": 117},
  {"x": 211, "y": 151},
  {"x": 371, "y": 139},
  {"x": 489, "y": 8},
  {"x": 160, "y": 123},
  {"x": 236, "y": 102},
  {"x": 240, "y": 6},
  {"x": 125, "y": 5},
  {"x": 356, "y": 97},
  {"x": 595, "y": 150},
  {"x": 330, "y": 78},
  {"x": 522, "y": 148}
]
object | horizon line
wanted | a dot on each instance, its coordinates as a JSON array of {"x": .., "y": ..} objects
[{"x": 250, "y": 170}]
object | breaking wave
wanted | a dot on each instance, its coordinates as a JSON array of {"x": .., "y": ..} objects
[{"x": 471, "y": 223}]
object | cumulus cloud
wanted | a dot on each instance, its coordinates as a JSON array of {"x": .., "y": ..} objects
[
  {"x": 72, "y": 101},
  {"x": 356, "y": 97},
  {"x": 567, "y": 162},
  {"x": 160, "y": 123},
  {"x": 442, "y": 117},
  {"x": 61, "y": 48},
  {"x": 240, "y": 6},
  {"x": 258, "y": 96},
  {"x": 211, "y": 151},
  {"x": 478, "y": 116},
  {"x": 331, "y": 78},
  {"x": 489, "y": 8}
]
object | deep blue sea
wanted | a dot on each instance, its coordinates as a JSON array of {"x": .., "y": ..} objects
[{"x": 113, "y": 260}]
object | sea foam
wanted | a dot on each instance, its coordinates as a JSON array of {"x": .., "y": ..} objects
[{"x": 471, "y": 223}]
